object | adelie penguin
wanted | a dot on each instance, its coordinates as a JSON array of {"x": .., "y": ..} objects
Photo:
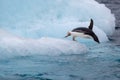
[{"x": 83, "y": 32}]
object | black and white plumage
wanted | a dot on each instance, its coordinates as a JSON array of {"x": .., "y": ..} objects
[{"x": 84, "y": 32}]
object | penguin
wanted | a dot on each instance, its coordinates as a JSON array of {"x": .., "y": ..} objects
[{"x": 84, "y": 32}]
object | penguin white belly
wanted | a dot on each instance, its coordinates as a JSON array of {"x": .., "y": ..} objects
[{"x": 77, "y": 34}]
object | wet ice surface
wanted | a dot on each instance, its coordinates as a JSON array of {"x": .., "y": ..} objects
[{"x": 102, "y": 62}]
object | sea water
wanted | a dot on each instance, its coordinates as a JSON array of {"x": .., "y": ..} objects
[{"x": 101, "y": 62}]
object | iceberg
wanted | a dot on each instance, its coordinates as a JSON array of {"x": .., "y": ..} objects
[{"x": 39, "y": 26}]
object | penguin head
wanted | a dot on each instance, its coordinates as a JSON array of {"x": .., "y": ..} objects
[{"x": 68, "y": 34}]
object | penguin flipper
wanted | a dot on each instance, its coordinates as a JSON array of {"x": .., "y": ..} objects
[
  {"x": 91, "y": 24},
  {"x": 94, "y": 36}
]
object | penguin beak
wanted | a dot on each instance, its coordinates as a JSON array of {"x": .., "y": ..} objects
[{"x": 66, "y": 36}]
